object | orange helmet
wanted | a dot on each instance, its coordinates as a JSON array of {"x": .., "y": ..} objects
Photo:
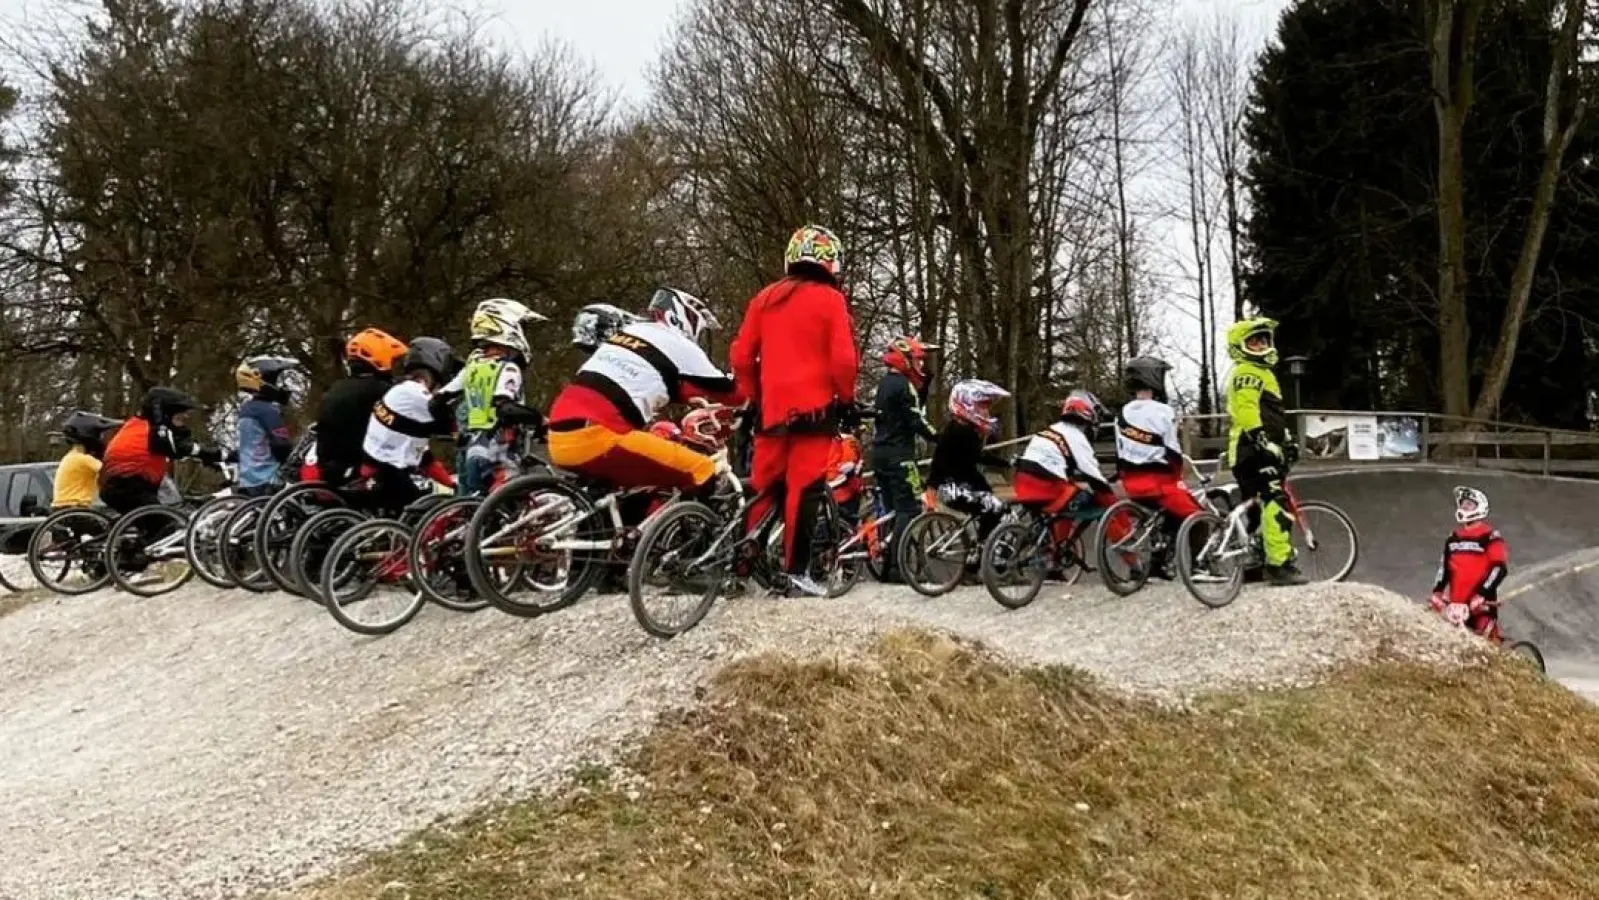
[
  {"x": 908, "y": 356},
  {"x": 378, "y": 349}
]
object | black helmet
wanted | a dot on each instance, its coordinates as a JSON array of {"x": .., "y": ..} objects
[
  {"x": 162, "y": 403},
  {"x": 89, "y": 429},
  {"x": 1146, "y": 373},
  {"x": 269, "y": 377},
  {"x": 434, "y": 355}
]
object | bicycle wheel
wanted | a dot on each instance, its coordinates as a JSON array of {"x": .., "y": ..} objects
[
  {"x": 1015, "y": 562},
  {"x": 934, "y": 552},
  {"x": 237, "y": 546},
  {"x": 671, "y": 582},
  {"x": 1211, "y": 568},
  {"x": 525, "y": 522},
  {"x": 435, "y": 557},
  {"x": 1337, "y": 545},
  {"x": 201, "y": 542},
  {"x": 67, "y": 552},
  {"x": 280, "y": 521},
  {"x": 311, "y": 544},
  {"x": 144, "y": 563},
  {"x": 1124, "y": 565},
  {"x": 366, "y": 578},
  {"x": 1529, "y": 652}
]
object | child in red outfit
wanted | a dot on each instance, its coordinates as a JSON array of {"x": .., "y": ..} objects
[
  {"x": 1474, "y": 565},
  {"x": 1058, "y": 472}
]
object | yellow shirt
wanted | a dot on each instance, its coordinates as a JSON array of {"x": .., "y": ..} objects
[{"x": 77, "y": 479}]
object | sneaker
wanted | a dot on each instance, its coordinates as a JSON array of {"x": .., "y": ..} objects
[
  {"x": 805, "y": 586},
  {"x": 1285, "y": 575}
]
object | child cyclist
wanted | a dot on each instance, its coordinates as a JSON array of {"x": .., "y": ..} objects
[
  {"x": 1260, "y": 444},
  {"x": 271, "y": 382},
  {"x": 961, "y": 454},
  {"x": 370, "y": 358},
  {"x": 1149, "y": 457},
  {"x": 78, "y": 474},
  {"x": 1058, "y": 473},
  {"x": 489, "y": 390},
  {"x": 404, "y": 422},
  {"x": 138, "y": 456},
  {"x": 1474, "y": 565}
]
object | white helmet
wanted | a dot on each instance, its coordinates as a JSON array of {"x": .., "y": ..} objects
[
  {"x": 595, "y": 323},
  {"x": 682, "y": 312},
  {"x": 499, "y": 321},
  {"x": 1471, "y": 505}
]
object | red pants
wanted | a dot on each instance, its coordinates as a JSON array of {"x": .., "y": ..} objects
[
  {"x": 1054, "y": 496},
  {"x": 798, "y": 461},
  {"x": 1163, "y": 489}
]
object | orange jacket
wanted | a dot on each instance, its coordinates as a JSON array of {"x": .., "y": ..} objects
[{"x": 795, "y": 352}]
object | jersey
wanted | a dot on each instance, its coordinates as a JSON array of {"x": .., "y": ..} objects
[
  {"x": 484, "y": 380},
  {"x": 341, "y": 424},
  {"x": 263, "y": 442},
  {"x": 1475, "y": 563},
  {"x": 795, "y": 351},
  {"x": 401, "y": 426},
  {"x": 1254, "y": 402},
  {"x": 1062, "y": 453},
  {"x": 638, "y": 371},
  {"x": 900, "y": 418},
  {"x": 139, "y": 450},
  {"x": 77, "y": 479},
  {"x": 1146, "y": 437},
  {"x": 959, "y": 458}
]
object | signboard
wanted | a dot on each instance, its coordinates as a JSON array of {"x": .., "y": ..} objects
[
  {"x": 1339, "y": 437},
  {"x": 1362, "y": 441},
  {"x": 1399, "y": 437}
]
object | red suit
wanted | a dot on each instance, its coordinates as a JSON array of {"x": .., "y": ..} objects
[{"x": 1474, "y": 565}]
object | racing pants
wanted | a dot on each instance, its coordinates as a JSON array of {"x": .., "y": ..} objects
[
  {"x": 900, "y": 483},
  {"x": 1072, "y": 504},
  {"x": 983, "y": 504},
  {"x": 1259, "y": 474},
  {"x": 796, "y": 466},
  {"x": 627, "y": 458}
]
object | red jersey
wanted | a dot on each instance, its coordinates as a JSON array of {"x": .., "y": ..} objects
[
  {"x": 795, "y": 352},
  {"x": 1475, "y": 563},
  {"x": 131, "y": 452}
]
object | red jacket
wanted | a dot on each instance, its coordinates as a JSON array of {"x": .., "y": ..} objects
[
  {"x": 1475, "y": 563},
  {"x": 795, "y": 352}
]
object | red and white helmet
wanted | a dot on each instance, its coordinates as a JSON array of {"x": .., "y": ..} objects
[
  {"x": 667, "y": 430},
  {"x": 1081, "y": 407},
  {"x": 907, "y": 355},
  {"x": 969, "y": 401},
  {"x": 705, "y": 429},
  {"x": 682, "y": 312},
  {"x": 1471, "y": 505}
]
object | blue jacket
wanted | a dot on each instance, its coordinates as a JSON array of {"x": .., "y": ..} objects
[{"x": 263, "y": 442}]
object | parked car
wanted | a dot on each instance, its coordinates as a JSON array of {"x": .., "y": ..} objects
[{"x": 25, "y": 492}]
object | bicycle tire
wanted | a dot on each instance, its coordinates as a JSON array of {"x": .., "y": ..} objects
[
  {"x": 237, "y": 544},
  {"x": 1528, "y": 651},
  {"x": 1348, "y": 566},
  {"x": 95, "y": 556},
  {"x": 331, "y": 585},
  {"x": 583, "y": 570},
  {"x": 428, "y": 538},
  {"x": 912, "y": 557},
  {"x": 275, "y": 542},
  {"x": 1010, "y": 534},
  {"x": 205, "y": 527},
  {"x": 1140, "y": 514},
  {"x": 1185, "y": 561},
  {"x": 317, "y": 536},
  {"x": 639, "y": 571},
  {"x": 120, "y": 529}
]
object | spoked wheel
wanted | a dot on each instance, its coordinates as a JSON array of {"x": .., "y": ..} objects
[
  {"x": 237, "y": 546},
  {"x": 202, "y": 541},
  {"x": 672, "y": 583},
  {"x": 437, "y": 560},
  {"x": 1529, "y": 652},
  {"x": 1207, "y": 562},
  {"x": 146, "y": 551},
  {"x": 67, "y": 552},
  {"x": 1332, "y": 555},
  {"x": 519, "y": 524},
  {"x": 311, "y": 544},
  {"x": 1125, "y": 563},
  {"x": 285, "y": 512},
  {"x": 366, "y": 578},
  {"x": 1015, "y": 562},
  {"x": 934, "y": 552}
]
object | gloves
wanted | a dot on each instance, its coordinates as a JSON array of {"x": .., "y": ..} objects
[
  {"x": 1439, "y": 601},
  {"x": 1479, "y": 605},
  {"x": 1290, "y": 452}
]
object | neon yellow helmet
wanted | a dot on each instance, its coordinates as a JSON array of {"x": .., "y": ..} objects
[{"x": 1239, "y": 333}]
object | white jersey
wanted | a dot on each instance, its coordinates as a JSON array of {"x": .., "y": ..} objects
[
  {"x": 1062, "y": 451},
  {"x": 401, "y": 425},
  {"x": 1146, "y": 436},
  {"x": 642, "y": 368}
]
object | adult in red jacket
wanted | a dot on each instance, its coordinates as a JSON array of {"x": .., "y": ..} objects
[{"x": 795, "y": 355}]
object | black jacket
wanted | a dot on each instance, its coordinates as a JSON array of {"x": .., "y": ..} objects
[
  {"x": 341, "y": 424},
  {"x": 900, "y": 418},
  {"x": 960, "y": 457}
]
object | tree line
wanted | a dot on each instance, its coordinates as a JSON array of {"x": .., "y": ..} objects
[{"x": 188, "y": 183}]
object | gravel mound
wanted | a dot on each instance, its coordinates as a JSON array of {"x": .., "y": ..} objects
[{"x": 211, "y": 744}]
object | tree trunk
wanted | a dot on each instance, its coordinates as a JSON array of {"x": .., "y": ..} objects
[{"x": 1452, "y": 51}]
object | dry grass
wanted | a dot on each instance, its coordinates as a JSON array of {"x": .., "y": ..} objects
[{"x": 930, "y": 771}]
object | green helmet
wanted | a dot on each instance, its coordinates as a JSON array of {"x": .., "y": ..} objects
[{"x": 1239, "y": 333}]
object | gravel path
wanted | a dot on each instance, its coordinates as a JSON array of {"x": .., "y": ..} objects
[{"x": 207, "y": 744}]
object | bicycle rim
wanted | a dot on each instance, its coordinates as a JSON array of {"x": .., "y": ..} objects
[
  {"x": 287, "y": 510},
  {"x": 67, "y": 542},
  {"x": 1124, "y": 565},
  {"x": 366, "y": 578},
  {"x": 1209, "y": 578},
  {"x": 543, "y": 589},
  {"x": 1337, "y": 543},
  {"x": 200, "y": 541},
  {"x": 311, "y": 544},
  {"x": 670, "y": 588},
  {"x": 437, "y": 560},
  {"x": 1014, "y": 565},
  {"x": 929, "y": 535},
  {"x": 1529, "y": 652},
  {"x": 161, "y": 572}
]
